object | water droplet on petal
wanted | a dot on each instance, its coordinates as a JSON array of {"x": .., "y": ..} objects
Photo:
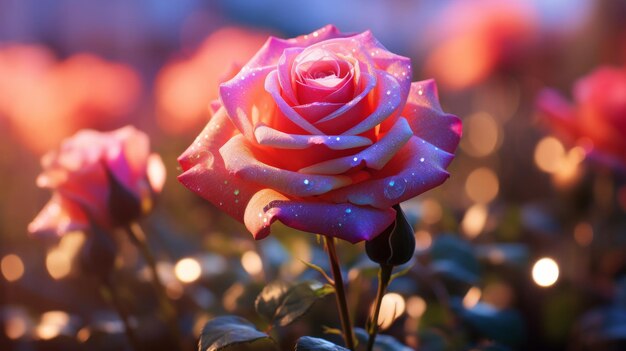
[
  {"x": 395, "y": 188},
  {"x": 348, "y": 210},
  {"x": 236, "y": 192},
  {"x": 422, "y": 159},
  {"x": 389, "y": 92}
]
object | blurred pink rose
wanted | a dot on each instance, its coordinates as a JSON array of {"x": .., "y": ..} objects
[
  {"x": 597, "y": 117},
  {"x": 473, "y": 38},
  {"x": 108, "y": 178},
  {"x": 186, "y": 87},
  {"x": 324, "y": 132},
  {"x": 46, "y": 100}
]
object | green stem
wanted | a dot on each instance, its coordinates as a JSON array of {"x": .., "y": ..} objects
[
  {"x": 340, "y": 294},
  {"x": 384, "y": 276},
  {"x": 110, "y": 294},
  {"x": 138, "y": 238}
]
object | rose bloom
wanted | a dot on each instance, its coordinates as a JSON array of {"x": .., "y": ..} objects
[
  {"x": 324, "y": 132},
  {"x": 597, "y": 117},
  {"x": 185, "y": 87},
  {"x": 108, "y": 179},
  {"x": 46, "y": 100}
]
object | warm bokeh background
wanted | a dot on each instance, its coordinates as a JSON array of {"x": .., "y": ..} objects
[{"x": 517, "y": 193}]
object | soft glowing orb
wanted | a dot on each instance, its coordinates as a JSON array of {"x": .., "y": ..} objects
[
  {"x": 391, "y": 308},
  {"x": 12, "y": 267},
  {"x": 251, "y": 262},
  {"x": 545, "y": 272},
  {"x": 187, "y": 270}
]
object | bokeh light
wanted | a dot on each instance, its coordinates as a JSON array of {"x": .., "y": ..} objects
[
  {"x": 472, "y": 297},
  {"x": 545, "y": 272},
  {"x": 415, "y": 306},
  {"x": 482, "y": 185},
  {"x": 52, "y": 324},
  {"x": 12, "y": 267},
  {"x": 474, "y": 220},
  {"x": 188, "y": 270},
  {"x": 391, "y": 308},
  {"x": 251, "y": 262},
  {"x": 481, "y": 134}
]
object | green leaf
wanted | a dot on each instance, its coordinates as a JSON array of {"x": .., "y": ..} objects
[
  {"x": 235, "y": 334},
  {"x": 282, "y": 303},
  {"x": 307, "y": 343},
  {"x": 503, "y": 326},
  {"x": 319, "y": 269},
  {"x": 382, "y": 342},
  {"x": 454, "y": 258}
]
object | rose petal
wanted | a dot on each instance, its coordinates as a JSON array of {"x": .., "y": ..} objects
[
  {"x": 284, "y": 69},
  {"x": 374, "y": 157},
  {"x": 245, "y": 99},
  {"x": 205, "y": 173},
  {"x": 273, "y": 48},
  {"x": 428, "y": 120},
  {"x": 241, "y": 159},
  {"x": 345, "y": 221},
  {"x": 419, "y": 166},
  {"x": 276, "y": 139},
  {"x": 128, "y": 162},
  {"x": 389, "y": 99},
  {"x": 317, "y": 110},
  {"x": 59, "y": 216},
  {"x": 272, "y": 86}
]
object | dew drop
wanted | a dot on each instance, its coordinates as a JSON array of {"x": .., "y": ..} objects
[
  {"x": 355, "y": 159},
  {"x": 395, "y": 188},
  {"x": 236, "y": 192},
  {"x": 422, "y": 159},
  {"x": 307, "y": 182},
  {"x": 348, "y": 210},
  {"x": 226, "y": 182},
  {"x": 337, "y": 138},
  {"x": 389, "y": 92},
  {"x": 420, "y": 92}
]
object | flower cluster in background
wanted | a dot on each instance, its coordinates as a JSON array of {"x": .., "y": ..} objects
[{"x": 522, "y": 248}]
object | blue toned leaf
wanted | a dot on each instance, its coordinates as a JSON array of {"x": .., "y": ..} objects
[{"x": 234, "y": 333}]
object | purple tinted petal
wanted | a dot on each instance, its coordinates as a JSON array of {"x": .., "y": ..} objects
[
  {"x": 419, "y": 166},
  {"x": 344, "y": 221},
  {"x": 427, "y": 119}
]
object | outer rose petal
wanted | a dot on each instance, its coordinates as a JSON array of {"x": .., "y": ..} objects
[
  {"x": 205, "y": 173},
  {"x": 427, "y": 119},
  {"x": 245, "y": 99},
  {"x": 344, "y": 221},
  {"x": 416, "y": 168},
  {"x": 273, "y": 48},
  {"x": 240, "y": 159},
  {"x": 58, "y": 217}
]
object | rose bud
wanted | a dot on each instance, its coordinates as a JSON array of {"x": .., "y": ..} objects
[
  {"x": 394, "y": 246},
  {"x": 108, "y": 179},
  {"x": 325, "y": 133}
]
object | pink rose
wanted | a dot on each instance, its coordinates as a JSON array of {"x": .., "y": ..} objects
[
  {"x": 107, "y": 178},
  {"x": 324, "y": 132},
  {"x": 597, "y": 118}
]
